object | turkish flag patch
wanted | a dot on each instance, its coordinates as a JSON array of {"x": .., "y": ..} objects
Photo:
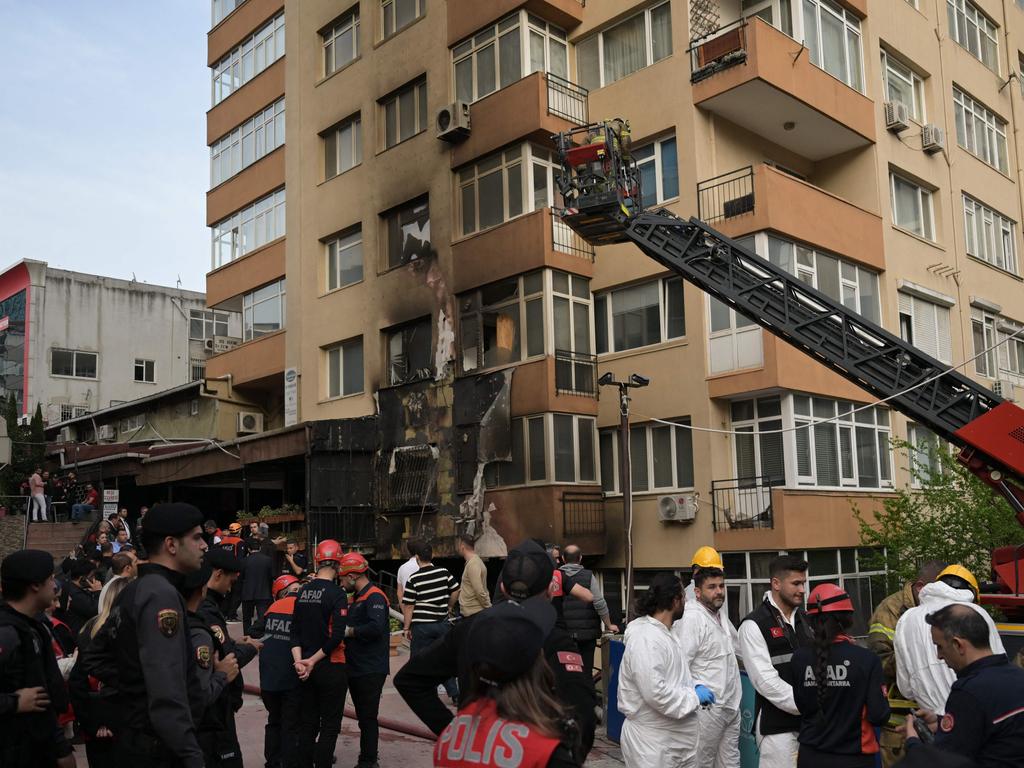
[
  {"x": 572, "y": 662},
  {"x": 778, "y": 632},
  {"x": 946, "y": 723}
]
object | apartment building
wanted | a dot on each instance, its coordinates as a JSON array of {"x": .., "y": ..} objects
[{"x": 868, "y": 148}]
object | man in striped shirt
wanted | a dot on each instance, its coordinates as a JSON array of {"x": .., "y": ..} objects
[{"x": 427, "y": 602}]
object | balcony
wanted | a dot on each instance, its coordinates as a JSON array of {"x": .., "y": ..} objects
[
  {"x": 553, "y": 513},
  {"x": 246, "y": 273},
  {"x": 534, "y": 389},
  {"x": 532, "y": 108},
  {"x": 583, "y": 513},
  {"x": 743, "y": 502},
  {"x": 575, "y": 373},
  {"x": 251, "y": 183},
  {"x": 256, "y": 363},
  {"x": 761, "y": 79},
  {"x": 266, "y": 88},
  {"x": 468, "y": 16},
  {"x": 245, "y": 19}
]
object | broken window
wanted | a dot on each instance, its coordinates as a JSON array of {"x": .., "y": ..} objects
[
  {"x": 407, "y": 233},
  {"x": 409, "y": 357},
  {"x": 502, "y": 321}
]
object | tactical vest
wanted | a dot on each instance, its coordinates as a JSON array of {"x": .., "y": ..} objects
[
  {"x": 581, "y": 620},
  {"x": 781, "y": 639},
  {"x": 477, "y": 736}
]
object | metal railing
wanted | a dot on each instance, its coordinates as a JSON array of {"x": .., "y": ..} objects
[
  {"x": 566, "y": 240},
  {"x": 567, "y": 100},
  {"x": 575, "y": 373},
  {"x": 582, "y": 513},
  {"x": 726, "y": 196},
  {"x": 350, "y": 526},
  {"x": 743, "y": 502},
  {"x": 711, "y": 53},
  {"x": 197, "y": 368}
]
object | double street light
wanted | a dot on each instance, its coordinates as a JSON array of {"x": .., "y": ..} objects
[{"x": 634, "y": 381}]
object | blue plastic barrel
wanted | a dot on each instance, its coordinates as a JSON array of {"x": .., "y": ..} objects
[{"x": 614, "y": 719}]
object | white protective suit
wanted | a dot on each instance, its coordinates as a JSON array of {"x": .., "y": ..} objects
[
  {"x": 920, "y": 674},
  {"x": 709, "y": 643},
  {"x": 777, "y": 750},
  {"x": 657, "y": 697}
]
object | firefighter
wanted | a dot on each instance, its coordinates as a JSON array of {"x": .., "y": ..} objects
[
  {"x": 838, "y": 687},
  {"x": 318, "y": 653},
  {"x": 881, "y": 631},
  {"x": 279, "y": 685},
  {"x": 920, "y": 674},
  {"x": 367, "y": 653}
]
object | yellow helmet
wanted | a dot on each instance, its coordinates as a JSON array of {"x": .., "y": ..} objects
[
  {"x": 707, "y": 557},
  {"x": 961, "y": 573}
]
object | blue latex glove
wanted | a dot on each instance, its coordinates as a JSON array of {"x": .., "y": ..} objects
[{"x": 705, "y": 695}]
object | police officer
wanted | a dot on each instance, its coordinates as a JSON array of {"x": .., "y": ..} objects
[
  {"x": 32, "y": 690},
  {"x": 153, "y": 656},
  {"x": 216, "y": 669},
  {"x": 527, "y": 575},
  {"x": 218, "y": 736},
  {"x": 366, "y": 651},
  {"x": 279, "y": 684},
  {"x": 318, "y": 653}
]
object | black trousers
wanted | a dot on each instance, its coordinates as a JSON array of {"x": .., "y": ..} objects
[
  {"x": 99, "y": 753},
  {"x": 587, "y": 649},
  {"x": 279, "y": 736},
  {"x": 321, "y": 706},
  {"x": 252, "y": 613},
  {"x": 366, "y": 690},
  {"x": 134, "y": 748}
]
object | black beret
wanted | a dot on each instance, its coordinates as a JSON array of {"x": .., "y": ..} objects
[
  {"x": 224, "y": 560},
  {"x": 29, "y": 566},
  {"x": 194, "y": 580},
  {"x": 171, "y": 520}
]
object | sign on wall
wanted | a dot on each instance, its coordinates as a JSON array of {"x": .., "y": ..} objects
[
  {"x": 111, "y": 495},
  {"x": 291, "y": 397}
]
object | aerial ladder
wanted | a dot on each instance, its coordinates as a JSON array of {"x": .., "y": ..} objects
[{"x": 601, "y": 191}]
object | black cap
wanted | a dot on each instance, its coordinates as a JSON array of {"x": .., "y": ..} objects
[
  {"x": 193, "y": 580},
  {"x": 29, "y": 566},
  {"x": 224, "y": 560},
  {"x": 171, "y": 520},
  {"x": 527, "y": 571},
  {"x": 507, "y": 638}
]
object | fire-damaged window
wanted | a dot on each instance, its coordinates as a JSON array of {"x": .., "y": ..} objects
[
  {"x": 406, "y": 232},
  {"x": 529, "y": 455},
  {"x": 503, "y": 322},
  {"x": 569, "y": 441},
  {"x": 409, "y": 357}
]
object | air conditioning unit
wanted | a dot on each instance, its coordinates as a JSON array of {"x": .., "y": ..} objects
[
  {"x": 932, "y": 139},
  {"x": 1005, "y": 389},
  {"x": 453, "y": 122},
  {"x": 897, "y": 116},
  {"x": 64, "y": 436},
  {"x": 249, "y": 422},
  {"x": 677, "y": 509},
  {"x": 208, "y": 345},
  {"x": 224, "y": 343},
  {"x": 106, "y": 432}
]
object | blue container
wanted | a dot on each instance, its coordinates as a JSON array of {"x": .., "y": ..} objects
[{"x": 613, "y": 718}]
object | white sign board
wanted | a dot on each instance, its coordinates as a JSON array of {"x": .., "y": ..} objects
[
  {"x": 108, "y": 508},
  {"x": 111, "y": 494},
  {"x": 291, "y": 397}
]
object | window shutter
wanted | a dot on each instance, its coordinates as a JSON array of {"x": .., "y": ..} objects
[
  {"x": 906, "y": 304},
  {"x": 945, "y": 344},
  {"x": 925, "y": 327}
]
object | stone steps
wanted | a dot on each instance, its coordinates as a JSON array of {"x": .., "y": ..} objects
[{"x": 56, "y": 538}]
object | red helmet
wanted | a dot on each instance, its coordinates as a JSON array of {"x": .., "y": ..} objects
[
  {"x": 282, "y": 583},
  {"x": 352, "y": 563},
  {"x": 828, "y": 598},
  {"x": 328, "y": 551}
]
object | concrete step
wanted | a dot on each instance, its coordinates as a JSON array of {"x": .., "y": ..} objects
[{"x": 56, "y": 538}]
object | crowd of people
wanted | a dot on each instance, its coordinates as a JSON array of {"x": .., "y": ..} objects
[
  {"x": 45, "y": 493},
  {"x": 130, "y": 651}
]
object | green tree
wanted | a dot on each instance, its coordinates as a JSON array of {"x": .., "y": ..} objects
[
  {"x": 37, "y": 437},
  {"x": 951, "y": 516}
]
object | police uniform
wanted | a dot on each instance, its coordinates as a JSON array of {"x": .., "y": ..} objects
[
  {"x": 27, "y": 661},
  {"x": 207, "y": 649},
  {"x": 157, "y": 679}
]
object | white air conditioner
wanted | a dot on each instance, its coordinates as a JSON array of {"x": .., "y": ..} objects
[
  {"x": 1005, "y": 389},
  {"x": 932, "y": 139},
  {"x": 64, "y": 436},
  {"x": 897, "y": 116},
  {"x": 453, "y": 122},
  {"x": 224, "y": 343},
  {"x": 681, "y": 508},
  {"x": 106, "y": 432},
  {"x": 249, "y": 422},
  {"x": 208, "y": 345}
]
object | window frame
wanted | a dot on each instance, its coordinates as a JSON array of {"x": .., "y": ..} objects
[
  {"x": 385, "y": 5},
  {"x": 250, "y": 303},
  {"x": 943, "y": 351},
  {"x": 613, "y": 486},
  {"x": 509, "y": 163},
  {"x": 333, "y": 137},
  {"x": 919, "y": 444},
  {"x": 421, "y": 108},
  {"x": 339, "y": 242},
  {"x": 329, "y": 372},
  {"x": 851, "y": 25},
  {"x": 547, "y": 422},
  {"x": 658, "y": 160},
  {"x": 893, "y": 67},
  {"x": 401, "y": 332},
  {"x": 973, "y": 16},
  {"x": 471, "y": 305},
  {"x": 599, "y": 36},
  {"x": 230, "y": 231},
  {"x": 205, "y": 317},
  {"x": 968, "y": 113},
  {"x": 604, "y": 304},
  {"x": 979, "y": 222},
  {"x": 230, "y": 147},
  {"x": 148, "y": 370},
  {"x": 409, "y": 206},
  {"x": 75, "y": 353},
  {"x": 924, "y": 201},
  {"x": 247, "y": 60},
  {"x": 348, "y": 21}
]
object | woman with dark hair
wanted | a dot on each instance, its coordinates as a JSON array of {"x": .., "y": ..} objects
[
  {"x": 656, "y": 692},
  {"x": 839, "y": 688},
  {"x": 510, "y": 714}
]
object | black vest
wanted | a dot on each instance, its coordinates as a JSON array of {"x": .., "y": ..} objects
[
  {"x": 581, "y": 620},
  {"x": 781, "y": 640}
]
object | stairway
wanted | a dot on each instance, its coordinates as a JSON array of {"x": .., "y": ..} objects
[{"x": 56, "y": 538}]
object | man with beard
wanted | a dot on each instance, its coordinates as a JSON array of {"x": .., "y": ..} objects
[
  {"x": 768, "y": 636},
  {"x": 709, "y": 645}
]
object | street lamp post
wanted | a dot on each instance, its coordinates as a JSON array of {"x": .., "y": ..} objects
[{"x": 626, "y": 470}]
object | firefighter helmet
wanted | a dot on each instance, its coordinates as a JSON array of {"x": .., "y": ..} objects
[
  {"x": 352, "y": 563},
  {"x": 235, "y": 528},
  {"x": 828, "y": 598},
  {"x": 282, "y": 583},
  {"x": 328, "y": 551}
]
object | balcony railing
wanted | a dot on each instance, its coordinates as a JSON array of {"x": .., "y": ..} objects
[
  {"x": 350, "y": 526},
  {"x": 711, "y": 53},
  {"x": 567, "y": 100},
  {"x": 197, "y": 368},
  {"x": 582, "y": 513},
  {"x": 575, "y": 373},
  {"x": 565, "y": 239},
  {"x": 726, "y": 196},
  {"x": 743, "y": 502}
]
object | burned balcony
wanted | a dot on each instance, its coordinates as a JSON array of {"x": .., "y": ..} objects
[
  {"x": 743, "y": 502},
  {"x": 406, "y": 478},
  {"x": 351, "y": 526}
]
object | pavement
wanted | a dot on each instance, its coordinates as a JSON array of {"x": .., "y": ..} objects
[{"x": 399, "y": 748}]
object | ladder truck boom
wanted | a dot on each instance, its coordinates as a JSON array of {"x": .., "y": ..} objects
[{"x": 601, "y": 191}]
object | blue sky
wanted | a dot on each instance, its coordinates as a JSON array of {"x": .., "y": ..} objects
[{"x": 103, "y": 158}]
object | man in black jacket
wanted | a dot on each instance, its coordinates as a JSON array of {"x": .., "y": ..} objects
[
  {"x": 257, "y": 576},
  {"x": 526, "y": 576},
  {"x": 79, "y": 601}
]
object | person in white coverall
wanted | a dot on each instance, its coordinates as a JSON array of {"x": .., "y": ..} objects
[
  {"x": 709, "y": 643},
  {"x": 920, "y": 674},
  {"x": 656, "y": 693}
]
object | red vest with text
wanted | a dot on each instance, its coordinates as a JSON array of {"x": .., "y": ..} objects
[{"x": 478, "y": 737}]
